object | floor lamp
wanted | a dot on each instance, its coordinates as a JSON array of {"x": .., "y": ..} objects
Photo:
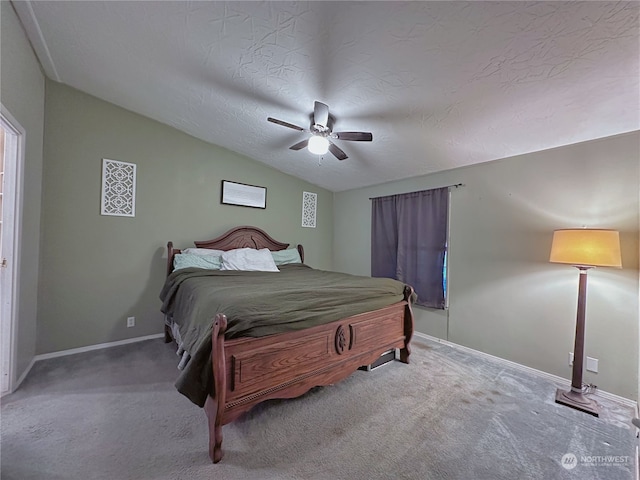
[{"x": 584, "y": 249}]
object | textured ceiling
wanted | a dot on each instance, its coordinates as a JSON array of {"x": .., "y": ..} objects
[{"x": 440, "y": 84}]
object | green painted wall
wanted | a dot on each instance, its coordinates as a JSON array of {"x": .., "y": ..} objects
[
  {"x": 97, "y": 270},
  {"x": 505, "y": 298},
  {"x": 22, "y": 87}
]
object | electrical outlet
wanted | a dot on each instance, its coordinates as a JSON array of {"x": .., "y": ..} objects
[
  {"x": 592, "y": 363},
  {"x": 131, "y": 321}
]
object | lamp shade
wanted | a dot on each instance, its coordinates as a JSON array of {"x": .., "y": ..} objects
[
  {"x": 318, "y": 145},
  {"x": 586, "y": 247}
]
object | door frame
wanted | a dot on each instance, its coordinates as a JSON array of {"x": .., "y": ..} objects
[{"x": 15, "y": 136}]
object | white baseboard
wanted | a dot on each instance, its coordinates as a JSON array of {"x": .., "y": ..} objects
[
  {"x": 539, "y": 373},
  {"x": 24, "y": 374},
  {"x": 99, "y": 346}
]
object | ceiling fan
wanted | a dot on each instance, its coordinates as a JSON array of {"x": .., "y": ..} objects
[{"x": 319, "y": 142}]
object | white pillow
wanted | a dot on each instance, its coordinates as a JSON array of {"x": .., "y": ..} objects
[
  {"x": 249, "y": 259},
  {"x": 202, "y": 251}
]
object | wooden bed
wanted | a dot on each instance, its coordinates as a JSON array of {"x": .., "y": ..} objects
[{"x": 248, "y": 371}]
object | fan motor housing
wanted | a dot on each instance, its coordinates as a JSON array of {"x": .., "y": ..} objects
[{"x": 320, "y": 130}]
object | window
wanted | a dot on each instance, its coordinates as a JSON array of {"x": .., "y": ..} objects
[
  {"x": 444, "y": 272},
  {"x": 408, "y": 242}
]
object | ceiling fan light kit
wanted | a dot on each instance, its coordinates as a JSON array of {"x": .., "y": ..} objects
[
  {"x": 320, "y": 131},
  {"x": 318, "y": 145}
]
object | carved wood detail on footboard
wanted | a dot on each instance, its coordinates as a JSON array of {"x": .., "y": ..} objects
[{"x": 248, "y": 371}]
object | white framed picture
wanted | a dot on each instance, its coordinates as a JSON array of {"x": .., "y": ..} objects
[{"x": 118, "y": 196}]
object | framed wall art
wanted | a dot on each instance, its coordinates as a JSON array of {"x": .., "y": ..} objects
[
  {"x": 309, "y": 205},
  {"x": 234, "y": 193},
  {"x": 118, "y": 194}
]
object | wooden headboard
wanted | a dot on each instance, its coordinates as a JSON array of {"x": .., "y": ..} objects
[{"x": 238, "y": 237}]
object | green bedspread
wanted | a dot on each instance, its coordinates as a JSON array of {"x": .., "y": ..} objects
[{"x": 261, "y": 303}]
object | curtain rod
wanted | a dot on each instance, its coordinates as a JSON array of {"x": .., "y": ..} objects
[{"x": 455, "y": 185}]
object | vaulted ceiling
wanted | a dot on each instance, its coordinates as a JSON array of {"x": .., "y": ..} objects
[{"x": 439, "y": 84}]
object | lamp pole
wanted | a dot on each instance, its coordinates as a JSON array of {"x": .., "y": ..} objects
[
  {"x": 578, "y": 349},
  {"x": 575, "y": 398}
]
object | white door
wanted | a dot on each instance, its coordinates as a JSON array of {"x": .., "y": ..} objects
[{"x": 11, "y": 152}]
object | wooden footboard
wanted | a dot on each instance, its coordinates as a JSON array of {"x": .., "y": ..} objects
[{"x": 248, "y": 371}]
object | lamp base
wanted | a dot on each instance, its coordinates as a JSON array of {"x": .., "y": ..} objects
[{"x": 578, "y": 401}]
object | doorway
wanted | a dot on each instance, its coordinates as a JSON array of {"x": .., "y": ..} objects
[{"x": 11, "y": 161}]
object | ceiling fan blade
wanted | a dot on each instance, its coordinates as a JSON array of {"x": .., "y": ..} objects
[
  {"x": 285, "y": 124},
  {"x": 320, "y": 114},
  {"x": 337, "y": 152},
  {"x": 354, "y": 136},
  {"x": 299, "y": 145}
]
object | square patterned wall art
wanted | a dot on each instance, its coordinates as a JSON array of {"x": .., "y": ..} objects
[
  {"x": 309, "y": 204},
  {"x": 118, "y": 188}
]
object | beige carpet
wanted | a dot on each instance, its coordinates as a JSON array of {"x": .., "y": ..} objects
[{"x": 114, "y": 414}]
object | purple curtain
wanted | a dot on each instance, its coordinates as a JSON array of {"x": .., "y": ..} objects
[{"x": 408, "y": 241}]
